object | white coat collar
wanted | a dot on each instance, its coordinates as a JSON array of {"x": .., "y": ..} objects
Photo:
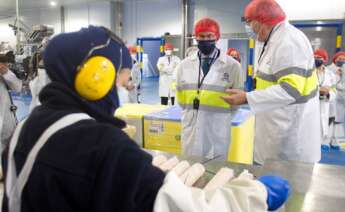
[{"x": 222, "y": 57}]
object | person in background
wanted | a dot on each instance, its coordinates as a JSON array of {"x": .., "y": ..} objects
[
  {"x": 135, "y": 79},
  {"x": 8, "y": 120},
  {"x": 8, "y": 81},
  {"x": 234, "y": 53},
  {"x": 202, "y": 79},
  {"x": 72, "y": 147},
  {"x": 286, "y": 101},
  {"x": 326, "y": 80},
  {"x": 340, "y": 100},
  {"x": 337, "y": 62},
  {"x": 166, "y": 66}
]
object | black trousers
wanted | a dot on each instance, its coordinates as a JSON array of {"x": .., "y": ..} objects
[{"x": 164, "y": 100}]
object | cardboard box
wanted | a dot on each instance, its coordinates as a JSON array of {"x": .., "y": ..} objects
[
  {"x": 133, "y": 114},
  {"x": 162, "y": 131}
]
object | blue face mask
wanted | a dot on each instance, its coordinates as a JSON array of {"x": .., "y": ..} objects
[
  {"x": 250, "y": 32},
  {"x": 206, "y": 46},
  {"x": 318, "y": 63},
  {"x": 340, "y": 63}
]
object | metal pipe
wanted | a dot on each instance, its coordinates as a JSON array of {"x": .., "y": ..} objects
[
  {"x": 185, "y": 11},
  {"x": 62, "y": 20},
  {"x": 17, "y": 25}
]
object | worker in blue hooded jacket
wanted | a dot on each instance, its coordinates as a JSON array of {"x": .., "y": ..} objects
[{"x": 70, "y": 154}]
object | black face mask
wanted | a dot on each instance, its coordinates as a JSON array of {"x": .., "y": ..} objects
[
  {"x": 318, "y": 63},
  {"x": 206, "y": 46},
  {"x": 340, "y": 63},
  {"x": 235, "y": 58}
]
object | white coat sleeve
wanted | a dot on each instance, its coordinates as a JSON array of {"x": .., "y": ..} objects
[
  {"x": 268, "y": 99},
  {"x": 178, "y": 77},
  {"x": 238, "y": 82},
  {"x": 160, "y": 65},
  {"x": 341, "y": 82},
  {"x": 239, "y": 195},
  {"x": 273, "y": 97},
  {"x": 12, "y": 81}
]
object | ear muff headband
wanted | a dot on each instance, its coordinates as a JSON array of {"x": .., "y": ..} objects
[{"x": 97, "y": 74}]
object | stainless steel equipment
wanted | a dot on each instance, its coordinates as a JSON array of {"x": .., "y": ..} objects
[{"x": 315, "y": 187}]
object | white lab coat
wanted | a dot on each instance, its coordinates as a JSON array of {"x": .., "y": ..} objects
[
  {"x": 166, "y": 69},
  {"x": 207, "y": 133},
  {"x": 326, "y": 79},
  {"x": 333, "y": 68},
  {"x": 340, "y": 99},
  {"x": 7, "y": 117},
  {"x": 36, "y": 85},
  {"x": 284, "y": 129},
  {"x": 135, "y": 81}
]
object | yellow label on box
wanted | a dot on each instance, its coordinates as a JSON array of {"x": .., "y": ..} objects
[{"x": 162, "y": 135}]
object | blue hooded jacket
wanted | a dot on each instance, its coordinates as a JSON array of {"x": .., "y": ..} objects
[
  {"x": 66, "y": 52},
  {"x": 91, "y": 165}
]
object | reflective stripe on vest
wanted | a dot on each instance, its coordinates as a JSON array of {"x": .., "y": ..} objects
[
  {"x": 209, "y": 97},
  {"x": 299, "y": 83},
  {"x": 15, "y": 183}
]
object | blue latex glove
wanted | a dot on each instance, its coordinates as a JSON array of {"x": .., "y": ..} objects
[{"x": 278, "y": 190}]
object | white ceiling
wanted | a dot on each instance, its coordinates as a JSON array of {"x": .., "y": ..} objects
[{"x": 7, "y": 7}]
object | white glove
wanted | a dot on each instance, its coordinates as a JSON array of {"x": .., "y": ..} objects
[
  {"x": 159, "y": 160},
  {"x": 188, "y": 174},
  {"x": 223, "y": 176},
  {"x": 238, "y": 195}
]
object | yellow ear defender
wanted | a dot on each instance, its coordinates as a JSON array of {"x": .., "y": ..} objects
[
  {"x": 96, "y": 75},
  {"x": 95, "y": 78}
]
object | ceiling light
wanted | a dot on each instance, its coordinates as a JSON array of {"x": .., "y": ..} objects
[{"x": 53, "y": 3}]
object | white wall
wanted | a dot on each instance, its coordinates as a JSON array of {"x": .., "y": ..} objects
[
  {"x": 151, "y": 18},
  {"x": 228, "y": 13},
  {"x": 313, "y": 9},
  {"x": 77, "y": 16}
]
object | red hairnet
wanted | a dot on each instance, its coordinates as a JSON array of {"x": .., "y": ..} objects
[
  {"x": 132, "y": 49},
  {"x": 207, "y": 25},
  {"x": 335, "y": 57},
  {"x": 322, "y": 53},
  {"x": 168, "y": 46},
  {"x": 238, "y": 57},
  {"x": 264, "y": 11}
]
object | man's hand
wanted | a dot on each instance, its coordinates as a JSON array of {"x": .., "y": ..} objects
[
  {"x": 3, "y": 68},
  {"x": 324, "y": 90},
  {"x": 237, "y": 97}
]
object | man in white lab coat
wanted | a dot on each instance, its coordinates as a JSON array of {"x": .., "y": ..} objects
[
  {"x": 338, "y": 61},
  {"x": 326, "y": 79},
  {"x": 286, "y": 100},
  {"x": 135, "y": 80},
  {"x": 8, "y": 81},
  {"x": 202, "y": 79},
  {"x": 340, "y": 99},
  {"x": 166, "y": 66}
]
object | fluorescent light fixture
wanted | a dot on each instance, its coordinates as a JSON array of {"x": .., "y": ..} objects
[{"x": 53, "y": 3}]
